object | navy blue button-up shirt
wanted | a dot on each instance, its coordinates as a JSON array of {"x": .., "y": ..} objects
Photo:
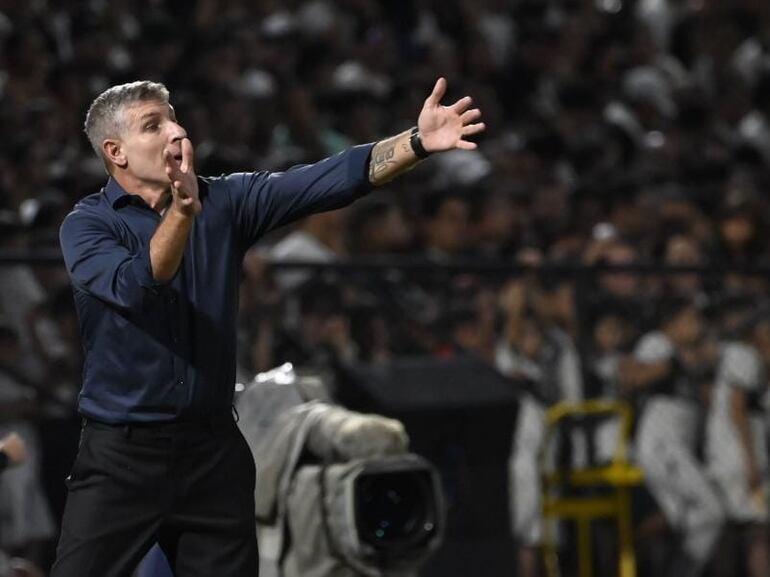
[{"x": 167, "y": 352}]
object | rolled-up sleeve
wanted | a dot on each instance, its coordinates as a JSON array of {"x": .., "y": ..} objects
[
  {"x": 262, "y": 201},
  {"x": 102, "y": 267}
]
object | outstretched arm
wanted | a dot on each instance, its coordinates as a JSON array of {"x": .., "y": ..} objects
[
  {"x": 439, "y": 128},
  {"x": 262, "y": 201}
]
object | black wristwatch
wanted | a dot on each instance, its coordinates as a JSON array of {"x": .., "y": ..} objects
[{"x": 416, "y": 142}]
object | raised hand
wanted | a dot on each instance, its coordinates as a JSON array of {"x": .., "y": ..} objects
[
  {"x": 184, "y": 183},
  {"x": 445, "y": 127}
]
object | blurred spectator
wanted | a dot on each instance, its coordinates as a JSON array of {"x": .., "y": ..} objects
[
  {"x": 539, "y": 354},
  {"x": 683, "y": 251},
  {"x": 736, "y": 436},
  {"x": 611, "y": 336},
  {"x": 446, "y": 219},
  {"x": 671, "y": 366},
  {"x": 379, "y": 228},
  {"x": 495, "y": 231},
  {"x": 20, "y": 295},
  {"x": 318, "y": 238},
  {"x": 27, "y": 527}
]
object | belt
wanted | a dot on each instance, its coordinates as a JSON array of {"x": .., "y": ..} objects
[{"x": 208, "y": 423}]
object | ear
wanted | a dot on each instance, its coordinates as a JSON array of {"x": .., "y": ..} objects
[{"x": 113, "y": 152}]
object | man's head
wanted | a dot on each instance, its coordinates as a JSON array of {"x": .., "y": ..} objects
[
  {"x": 130, "y": 126},
  {"x": 620, "y": 284},
  {"x": 682, "y": 320},
  {"x": 446, "y": 216}
]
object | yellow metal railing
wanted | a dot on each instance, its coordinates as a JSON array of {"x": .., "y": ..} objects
[{"x": 617, "y": 479}]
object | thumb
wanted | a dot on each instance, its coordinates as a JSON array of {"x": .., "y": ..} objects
[{"x": 439, "y": 89}]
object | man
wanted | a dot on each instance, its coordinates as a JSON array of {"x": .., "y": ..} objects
[
  {"x": 537, "y": 351},
  {"x": 669, "y": 366},
  {"x": 736, "y": 448},
  {"x": 155, "y": 260}
]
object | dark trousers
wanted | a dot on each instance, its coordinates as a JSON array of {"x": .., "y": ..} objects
[{"x": 187, "y": 486}]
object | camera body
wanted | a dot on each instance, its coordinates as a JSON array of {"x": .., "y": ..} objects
[{"x": 338, "y": 494}]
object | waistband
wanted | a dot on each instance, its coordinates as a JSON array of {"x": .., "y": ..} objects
[{"x": 208, "y": 423}]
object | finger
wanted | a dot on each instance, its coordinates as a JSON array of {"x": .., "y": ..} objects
[
  {"x": 178, "y": 190},
  {"x": 187, "y": 155},
  {"x": 462, "y": 105},
  {"x": 473, "y": 129},
  {"x": 439, "y": 89},
  {"x": 470, "y": 115},
  {"x": 466, "y": 145},
  {"x": 172, "y": 166}
]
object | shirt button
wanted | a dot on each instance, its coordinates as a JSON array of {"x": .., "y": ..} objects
[
  {"x": 172, "y": 299},
  {"x": 180, "y": 381}
]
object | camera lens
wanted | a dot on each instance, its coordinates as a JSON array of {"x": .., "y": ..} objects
[{"x": 395, "y": 510}]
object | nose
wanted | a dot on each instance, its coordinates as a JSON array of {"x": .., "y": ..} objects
[{"x": 177, "y": 132}]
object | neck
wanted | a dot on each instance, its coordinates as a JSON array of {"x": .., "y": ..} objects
[
  {"x": 155, "y": 195},
  {"x": 677, "y": 342}
]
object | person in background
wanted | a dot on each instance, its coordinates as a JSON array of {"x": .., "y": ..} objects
[
  {"x": 446, "y": 222},
  {"x": 612, "y": 335},
  {"x": 318, "y": 238},
  {"x": 736, "y": 445},
  {"x": 379, "y": 227},
  {"x": 13, "y": 452},
  {"x": 669, "y": 367},
  {"x": 26, "y": 524},
  {"x": 536, "y": 353}
]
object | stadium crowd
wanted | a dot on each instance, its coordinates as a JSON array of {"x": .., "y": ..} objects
[{"x": 619, "y": 132}]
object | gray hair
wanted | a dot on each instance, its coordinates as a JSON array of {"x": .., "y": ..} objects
[{"x": 106, "y": 119}]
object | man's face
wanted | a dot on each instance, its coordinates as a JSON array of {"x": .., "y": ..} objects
[
  {"x": 150, "y": 129},
  {"x": 447, "y": 230},
  {"x": 689, "y": 326},
  {"x": 622, "y": 284}
]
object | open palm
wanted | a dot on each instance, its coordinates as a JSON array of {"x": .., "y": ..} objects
[{"x": 445, "y": 127}]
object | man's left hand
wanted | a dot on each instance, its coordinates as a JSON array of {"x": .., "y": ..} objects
[{"x": 446, "y": 127}]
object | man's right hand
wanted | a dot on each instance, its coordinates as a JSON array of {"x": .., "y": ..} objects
[
  {"x": 168, "y": 243},
  {"x": 184, "y": 183}
]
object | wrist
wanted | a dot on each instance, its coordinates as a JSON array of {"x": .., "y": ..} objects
[
  {"x": 415, "y": 141},
  {"x": 181, "y": 211}
]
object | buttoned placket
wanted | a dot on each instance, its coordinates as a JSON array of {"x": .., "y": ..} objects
[{"x": 171, "y": 302}]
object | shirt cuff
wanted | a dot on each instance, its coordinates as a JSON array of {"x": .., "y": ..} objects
[
  {"x": 142, "y": 269},
  {"x": 358, "y": 167}
]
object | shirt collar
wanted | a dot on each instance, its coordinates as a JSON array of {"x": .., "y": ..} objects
[
  {"x": 115, "y": 194},
  {"x": 119, "y": 198}
]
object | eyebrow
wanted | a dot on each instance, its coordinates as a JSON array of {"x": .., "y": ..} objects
[
  {"x": 154, "y": 114},
  {"x": 140, "y": 121}
]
